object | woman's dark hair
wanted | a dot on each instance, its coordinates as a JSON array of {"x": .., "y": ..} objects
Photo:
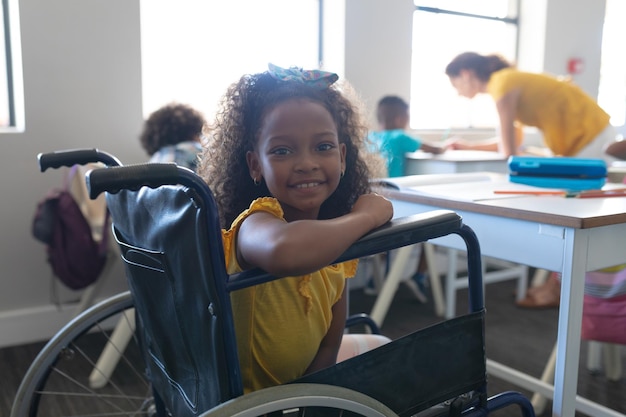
[
  {"x": 235, "y": 132},
  {"x": 169, "y": 125},
  {"x": 482, "y": 65}
]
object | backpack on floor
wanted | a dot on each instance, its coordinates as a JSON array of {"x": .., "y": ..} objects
[{"x": 77, "y": 260}]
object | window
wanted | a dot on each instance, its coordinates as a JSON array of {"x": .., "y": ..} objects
[
  {"x": 612, "y": 89},
  {"x": 11, "y": 100},
  {"x": 192, "y": 50},
  {"x": 441, "y": 30}
]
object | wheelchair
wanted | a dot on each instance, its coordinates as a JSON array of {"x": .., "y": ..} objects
[{"x": 184, "y": 352}]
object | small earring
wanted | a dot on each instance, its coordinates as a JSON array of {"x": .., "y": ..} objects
[
  {"x": 255, "y": 181},
  {"x": 342, "y": 172}
]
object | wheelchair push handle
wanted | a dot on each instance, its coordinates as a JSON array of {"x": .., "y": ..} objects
[
  {"x": 70, "y": 157},
  {"x": 133, "y": 177}
]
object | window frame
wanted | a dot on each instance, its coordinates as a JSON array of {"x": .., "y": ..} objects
[
  {"x": 8, "y": 47},
  {"x": 512, "y": 18}
]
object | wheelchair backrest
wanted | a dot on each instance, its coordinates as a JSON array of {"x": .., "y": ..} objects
[{"x": 172, "y": 248}]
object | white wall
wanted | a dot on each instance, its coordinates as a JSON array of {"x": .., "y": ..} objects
[
  {"x": 378, "y": 49},
  {"x": 82, "y": 88},
  {"x": 574, "y": 30}
]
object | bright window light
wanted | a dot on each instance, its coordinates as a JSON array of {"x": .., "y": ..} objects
[
  {"x": 437, "y": 39},
  {"x": 192, "y": 50},
  {"x": 612, "y": 89}
]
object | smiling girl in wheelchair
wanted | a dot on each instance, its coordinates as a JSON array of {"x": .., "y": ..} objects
[{"x": 288, "y": 168}]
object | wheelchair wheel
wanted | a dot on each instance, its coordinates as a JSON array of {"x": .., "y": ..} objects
[
  {"x": 72, "y": 376},
  {"x": 310, "y": 400}
]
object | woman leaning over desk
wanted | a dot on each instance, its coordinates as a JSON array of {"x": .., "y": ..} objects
[{"x": 571, "y": 122}]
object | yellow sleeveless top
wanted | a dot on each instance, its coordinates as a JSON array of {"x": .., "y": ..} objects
[
  {"x": 280, "y": 324},
  {"x": 568, "y": 118}
]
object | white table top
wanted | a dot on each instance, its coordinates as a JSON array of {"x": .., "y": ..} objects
[{"x": 475, "y": 192}]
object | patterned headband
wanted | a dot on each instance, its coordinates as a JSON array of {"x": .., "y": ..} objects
[{"x": 315, "y": 78}]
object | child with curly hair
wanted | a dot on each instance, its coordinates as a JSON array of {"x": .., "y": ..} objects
[
  {"x": 172, "y": 134},
  {"x": 289, "y": 170}
]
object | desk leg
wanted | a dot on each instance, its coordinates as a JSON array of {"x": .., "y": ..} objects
[
  {"x": 392, "y": 281},
  {"x": 570, "y": 320}
]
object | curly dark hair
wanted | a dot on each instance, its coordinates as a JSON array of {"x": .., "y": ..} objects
[
  {"x": 169, "y": 125},
  {"x": 235, "y": 132}
]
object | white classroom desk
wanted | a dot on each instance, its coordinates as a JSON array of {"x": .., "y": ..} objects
[
  {"x": 569, "y": 235},
  {"x": 450, "y": 162},
  {"x": 454, "y": 161}
]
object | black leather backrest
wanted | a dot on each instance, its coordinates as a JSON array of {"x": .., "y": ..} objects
[{"x": 176, "y": 275}]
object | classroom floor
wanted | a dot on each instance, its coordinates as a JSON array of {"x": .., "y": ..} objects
[{"x": 519, "y": 338}]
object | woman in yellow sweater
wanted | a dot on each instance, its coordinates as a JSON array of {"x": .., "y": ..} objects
[{"x": 572, "y": 123}]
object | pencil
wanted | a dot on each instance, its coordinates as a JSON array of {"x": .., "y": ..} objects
[
  {"x": 602, "y": 194},
  {"x": 530, "y": 192}
]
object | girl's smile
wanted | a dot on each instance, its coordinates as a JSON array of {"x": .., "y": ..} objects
[{"x": 307, "y": 185}]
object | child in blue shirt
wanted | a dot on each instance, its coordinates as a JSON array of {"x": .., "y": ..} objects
[{"x": 391, "y": 140}]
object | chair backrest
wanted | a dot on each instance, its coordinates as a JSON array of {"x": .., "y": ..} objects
[{"x": 172, "y": 249}]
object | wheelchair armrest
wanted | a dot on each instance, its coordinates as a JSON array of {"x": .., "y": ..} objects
[
  {"x": 396, "y": 233},
  {"x": 404, "y": 231}
]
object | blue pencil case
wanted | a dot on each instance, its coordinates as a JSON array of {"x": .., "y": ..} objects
[{"x": 558, "y": 172}]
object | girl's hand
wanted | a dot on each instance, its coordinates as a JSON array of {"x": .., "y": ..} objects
[{"x": 374, "y": 206}]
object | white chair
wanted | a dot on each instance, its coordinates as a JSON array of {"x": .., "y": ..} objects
[
  {"x": 403, "y": 265},
  {"x": 494, "y": 270}
]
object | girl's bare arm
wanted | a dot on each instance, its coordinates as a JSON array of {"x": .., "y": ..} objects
[{"x": 304, "y": 246}]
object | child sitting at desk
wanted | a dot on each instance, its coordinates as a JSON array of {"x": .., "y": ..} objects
[{"x": 391, "y": 140}]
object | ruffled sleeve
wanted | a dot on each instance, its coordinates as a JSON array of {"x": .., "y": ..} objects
[
  {"x": 350, "y": 267},
  {"x": 229, "y": 237}
]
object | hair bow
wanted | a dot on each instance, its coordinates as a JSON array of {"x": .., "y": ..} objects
[{"x": 315, "y": 78}]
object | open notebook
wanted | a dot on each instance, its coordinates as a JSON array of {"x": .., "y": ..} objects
[{"x": 469, "y": 187}]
